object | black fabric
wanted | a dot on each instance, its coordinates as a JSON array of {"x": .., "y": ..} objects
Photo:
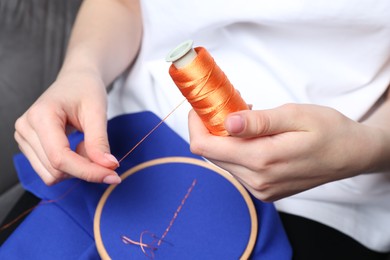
[
  {"x": 312, "y": 240},
  {"x": 33, "y": 39}
]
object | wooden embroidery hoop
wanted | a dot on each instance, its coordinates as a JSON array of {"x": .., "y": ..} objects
[{"x": 251, "y": 208}]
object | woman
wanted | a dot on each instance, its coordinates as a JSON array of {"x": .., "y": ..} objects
[{"x": 317, "y": 140}]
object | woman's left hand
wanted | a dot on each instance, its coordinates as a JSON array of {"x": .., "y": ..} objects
[{"x": 280, "y": 152}]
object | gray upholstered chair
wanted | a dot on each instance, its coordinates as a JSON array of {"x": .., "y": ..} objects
[{"x": 33, "y": 38}]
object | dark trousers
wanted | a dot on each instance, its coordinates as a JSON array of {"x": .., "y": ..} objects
[{"x": 312, "y": 240}]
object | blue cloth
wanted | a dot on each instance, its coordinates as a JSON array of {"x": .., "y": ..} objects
[{"x": 213, "y": 212}]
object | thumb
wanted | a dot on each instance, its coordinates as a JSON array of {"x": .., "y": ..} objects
[
  {"x": 256, "y": 123},
  {"x": 96, "y": 142}
]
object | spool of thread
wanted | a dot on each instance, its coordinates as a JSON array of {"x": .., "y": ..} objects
[{"x": 204, "y": 85}]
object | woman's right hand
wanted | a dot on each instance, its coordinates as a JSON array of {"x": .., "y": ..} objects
[{"x": 75, "y": 100}]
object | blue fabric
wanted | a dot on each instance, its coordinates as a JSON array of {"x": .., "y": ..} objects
[{"x": 145, "y": 200}]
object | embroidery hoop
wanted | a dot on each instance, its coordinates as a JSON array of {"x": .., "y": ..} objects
[{"x": 187, "y": 160}]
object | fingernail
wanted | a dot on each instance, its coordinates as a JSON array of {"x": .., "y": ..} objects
[
  {"x": 111, "y": 158},
  {"x": 235, "y": 124},
  {"x": 112, "y": 179}
]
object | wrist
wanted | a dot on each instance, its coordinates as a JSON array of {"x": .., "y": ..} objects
[
  {"x": 79, "y": 62},
  {"x": 378, "y": 150}
]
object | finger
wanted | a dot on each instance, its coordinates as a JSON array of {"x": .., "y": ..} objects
[
  {"x": 96, "y": 140},
  {"x": 36, "y": 163},
  {"x": 258, "y": 123},
  {"x": 260, "y": 185},
  {"x": 201, "y": 138},
  {"x": 251, "y": 181},
  {"x": 30, "y": 145},
  {"x": 81, "y": 150},
  {"x": 199, "y": 135},
  {"x": 195, "y": 124},
  {"x": 85, "y": 169},
  {"x": 51, "y": 133}
]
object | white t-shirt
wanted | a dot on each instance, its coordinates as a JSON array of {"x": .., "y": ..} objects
[{"x": 331, "y": 53}]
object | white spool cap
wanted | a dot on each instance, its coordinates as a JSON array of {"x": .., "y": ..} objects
[{"x": 182, "y": 55}]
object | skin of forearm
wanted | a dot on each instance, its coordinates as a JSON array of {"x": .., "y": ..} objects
[
  {"x": 105, "y": 38},
  {"x": 379, "y": 124}
]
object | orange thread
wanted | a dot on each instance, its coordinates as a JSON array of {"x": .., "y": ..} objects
[
  {"x": 150, "y": 132},
  {"x": 43, "y": 202},
  {"x": 18, "y": 218},
  {"x": 151, "y": 245},
  {"x": 208, "y": 90},
  {"x": 177, "y": 211},
  {"x": 143, "y": 245}
]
